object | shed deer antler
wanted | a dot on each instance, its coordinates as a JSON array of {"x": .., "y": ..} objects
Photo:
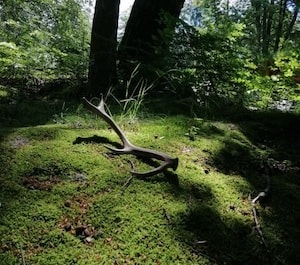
[{"x": 129, "y": 148}]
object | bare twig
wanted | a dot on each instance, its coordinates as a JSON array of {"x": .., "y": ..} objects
[
  {"x": 22, "y": 255},
  {"x": 126, "y": 184},
  {"x": 261, "y": 195}
]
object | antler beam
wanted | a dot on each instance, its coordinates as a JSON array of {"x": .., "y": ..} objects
[{"x": 129, "y": 148}]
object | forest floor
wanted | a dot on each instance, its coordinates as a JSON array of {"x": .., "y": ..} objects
[{"x": 65, "y": 199}]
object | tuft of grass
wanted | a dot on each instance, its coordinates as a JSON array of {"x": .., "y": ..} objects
[
  {"x": 63, "y": 198},
  {"x": 135, "y": 94}
]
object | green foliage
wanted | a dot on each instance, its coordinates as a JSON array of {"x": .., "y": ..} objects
[
  {"x": 11, "y": 59},
  {"x": 43, "y": 39},
  {"x": 213, "y": 57},
  {"x": 206, "y": 63},
  {"x": 275, "y": 83}
]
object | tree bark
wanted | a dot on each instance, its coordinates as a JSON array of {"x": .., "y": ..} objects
[
  {"x": 292, "y": 23},
  {"x": 102, "y": 67},
  {"x": 264, "y": 27},
  {"x": 268, "y": 14},
  {"x": 256, "y": 4},
  {"x": 282, "y": 11},
  {"x": 142, "y": 33}
]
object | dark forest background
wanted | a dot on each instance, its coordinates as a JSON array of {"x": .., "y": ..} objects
[{"x": 213, "y": 52}]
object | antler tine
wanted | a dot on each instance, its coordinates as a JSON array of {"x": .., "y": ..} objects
[
  {"x": 129, "y": 148},
  {"x": 156, "y": 170},
  {"x": 100, "y": 110}
]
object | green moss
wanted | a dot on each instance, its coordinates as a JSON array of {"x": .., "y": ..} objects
[{"x": 59, "y": 173}]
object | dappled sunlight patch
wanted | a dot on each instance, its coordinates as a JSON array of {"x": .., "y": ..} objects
[
  {"x": 202, "y": 128},
  {"x": 19, "y": 142},
  {"x": 130, "y": 237},
  {"x": 3, "y": 92},
  {"x": 219, "y": 209},
  {"x": 213, "y": 233}
]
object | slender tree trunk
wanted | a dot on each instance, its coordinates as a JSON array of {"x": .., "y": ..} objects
[
  {"x": 279, "y": 30},
  {"x": 215, "y": 11},
  {"x": 264, "y": 47},
  {"x": 269, "y": 11},
  {"x": 256, "y": 4},
  {"x": 292, "y": 23},
  {"x": 102, "y": 68}
]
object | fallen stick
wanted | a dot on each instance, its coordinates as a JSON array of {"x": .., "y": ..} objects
[
  {"x": 261, "y": 195},
  {"x": 22, "y": 255}
]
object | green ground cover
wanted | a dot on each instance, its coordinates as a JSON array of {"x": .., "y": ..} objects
[{"x": 65, "y": 199}]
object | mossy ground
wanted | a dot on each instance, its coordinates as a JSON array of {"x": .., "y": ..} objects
[{"x": 63, "y": 198}]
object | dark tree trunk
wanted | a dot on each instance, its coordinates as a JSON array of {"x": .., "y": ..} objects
[
  {"x": 292, "y": 23},
  {"x": 279, "y": 30},
  {"x": 269, "y": 26},
  {"x": 268, "y": 17},
  {"x": 256, "y": 4},
  {"x": 141, "y": 35},
  {"x": 264, "y": 27},
  {"x": 102, "y": 68}
]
